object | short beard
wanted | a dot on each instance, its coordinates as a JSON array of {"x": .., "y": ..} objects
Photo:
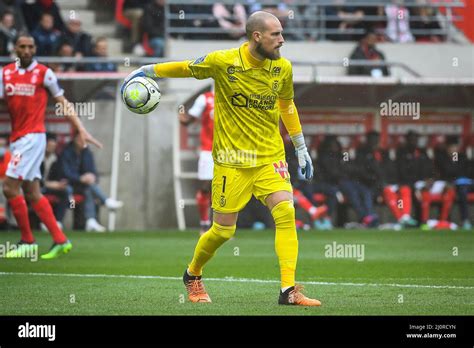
[{"x": 265, "y": 54}]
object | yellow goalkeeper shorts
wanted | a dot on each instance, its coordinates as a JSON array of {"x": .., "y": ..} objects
[{"x": 232, "y": 188}]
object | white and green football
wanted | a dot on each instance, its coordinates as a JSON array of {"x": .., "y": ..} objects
[{"x": 141, "y": 95}]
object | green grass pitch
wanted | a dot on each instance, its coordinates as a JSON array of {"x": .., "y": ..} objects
[{"x": 408, "y": 272}]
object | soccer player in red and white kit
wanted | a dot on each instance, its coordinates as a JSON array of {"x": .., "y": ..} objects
[
  {"x": 24, "y": 85},
  {"x": 203, "y": 108}
]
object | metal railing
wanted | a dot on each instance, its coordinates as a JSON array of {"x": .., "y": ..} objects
[
  {"x": 139, "y": 61},
  {"x": 182, "y": 17}
]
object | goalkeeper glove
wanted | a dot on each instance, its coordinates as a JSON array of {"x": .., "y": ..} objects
[
  {"x": 144, "y": 71},
  {"x": 304, "y": 160}
]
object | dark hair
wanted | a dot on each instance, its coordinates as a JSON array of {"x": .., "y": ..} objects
[
  {"x": 51, "y": 136},
  {"x": 373, "y": 134},
  {"x": 7, "y": 12},
  {"x": 23, "y": 34},
  {"x": 452, "y": 140},
  {"x": 46, "y": 14}
]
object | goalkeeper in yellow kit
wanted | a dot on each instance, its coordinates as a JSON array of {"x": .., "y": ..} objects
[{"x": 253, "y": 88}]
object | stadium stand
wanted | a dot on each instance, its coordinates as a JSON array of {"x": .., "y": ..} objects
[{"x": 437, "y": 64}]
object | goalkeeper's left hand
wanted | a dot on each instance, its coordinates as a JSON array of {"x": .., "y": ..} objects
[
  {"x": 144, "y": 71},
  {"x": 304, "y": 159}
]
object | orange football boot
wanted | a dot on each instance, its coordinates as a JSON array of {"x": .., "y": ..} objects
[
  {"x": 294, "y": 296},
  {"x": 195, "y": 288}
]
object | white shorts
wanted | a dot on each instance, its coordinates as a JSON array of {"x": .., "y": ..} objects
[
  {"x": 436, "y": 189},
  {"x": 27, "y": 156},
  {"x": 205, "y": 166}
]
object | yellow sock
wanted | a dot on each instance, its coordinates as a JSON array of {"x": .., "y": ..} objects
[
  {"x": 207, "y": 246},
  {"x": 286, "y": 241}
]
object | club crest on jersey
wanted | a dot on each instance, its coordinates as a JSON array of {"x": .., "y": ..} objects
[
  {"x": 282, "y": 169},
  {"x": 276, "y": 71},
  {"x": 16, "y": 158}
]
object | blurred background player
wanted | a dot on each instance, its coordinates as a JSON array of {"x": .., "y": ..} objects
[
  {"x": 24, "y": 85},
  {"x": 342, "y": 174},
  {"x": 379, "y": 173},
  {"x": 203, "y": 108},
  {"x": 452, "y": 166},
  {"x": 416, "y": 169}
]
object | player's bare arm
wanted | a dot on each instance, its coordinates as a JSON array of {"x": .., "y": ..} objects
[{"x": 71, "y": 114}]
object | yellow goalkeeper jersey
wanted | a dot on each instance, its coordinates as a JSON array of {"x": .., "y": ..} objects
[{"x": 246, "y": 107}]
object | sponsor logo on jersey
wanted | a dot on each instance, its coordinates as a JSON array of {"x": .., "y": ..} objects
[
  {"x": 21, "y": 89},
  {"x": 240, "y": 100}
]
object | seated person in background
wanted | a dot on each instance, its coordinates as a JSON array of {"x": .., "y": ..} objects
[
  {"x": 153, "y": 23},
  {"x": 349, "y": 17},
  {"x": 101, "y": 50},
  {"x": 64, "y": 50},
  {"x": 379, "y": 172},
  {"x": 47, "y": 38},
  {"x": 14, "y": 7},
  {"x": 398, "y": 22},
  {"x": 427, "y": 21},
  {"x": 53, "y": 182},
  {"x": 337, "y": 169},
  {"x": 134, "y": 10},
  {"x": 33, "y": 11},
  {"x": 8, "y": 34},
  {"x": 452, "y": 167},
  {"x": 366, "y": 50},
  {"x": 416, "y": 169},
  {"x": 231, "y": 18},
  {"x": 80, "y": 41},
  {"x": 79, "y": 169}
]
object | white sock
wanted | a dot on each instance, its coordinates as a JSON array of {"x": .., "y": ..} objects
[
  {"x": 284, "y": 289},
  {"x": 189, "y": 273}
]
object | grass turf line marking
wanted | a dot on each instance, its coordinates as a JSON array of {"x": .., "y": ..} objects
[{"x": 236, "y": 280}]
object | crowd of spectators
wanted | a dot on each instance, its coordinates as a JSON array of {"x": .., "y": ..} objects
[
  {"x": 54, "y": 36},
  {"x": 408, "y": 179},
  {"x": 146, "y": 24},
  {"x": 391, "y": 22}
]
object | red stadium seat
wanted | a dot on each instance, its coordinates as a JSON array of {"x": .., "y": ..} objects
[{"x": 470, "y": 197}]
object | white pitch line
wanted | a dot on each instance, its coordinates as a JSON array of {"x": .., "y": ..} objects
[{"x": 236, "y": 280}]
